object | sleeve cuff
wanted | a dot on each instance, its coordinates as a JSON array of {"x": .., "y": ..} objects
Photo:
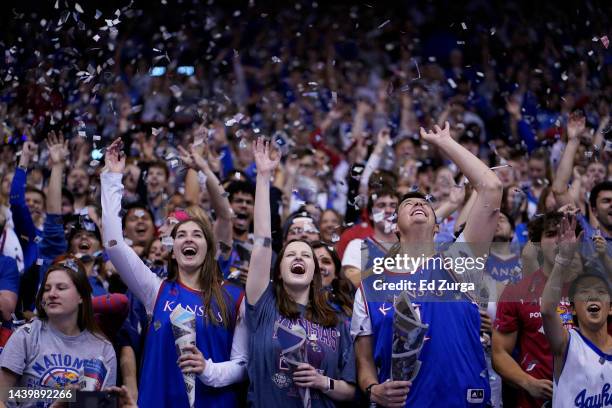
[{"x": 207, "y": 374}]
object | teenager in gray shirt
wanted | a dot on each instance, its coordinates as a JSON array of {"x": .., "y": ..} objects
[{"x": 52, "y": 351}]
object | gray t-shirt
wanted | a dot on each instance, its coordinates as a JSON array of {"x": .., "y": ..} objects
[
  {"x": 44, "y": 357},
  {"x": 328, "y": 349}
]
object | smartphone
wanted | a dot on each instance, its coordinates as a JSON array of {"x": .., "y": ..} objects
[
  {"x": 95, "y": 399},
  {"x": 158, "y": 71},
  {"x": 186, "y": 70}
]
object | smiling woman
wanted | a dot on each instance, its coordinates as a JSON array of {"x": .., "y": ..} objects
[
  {"x": 195, "y": 284},
  {"x": 51, "y": 351},
  {"x": 300, "y": 347}
]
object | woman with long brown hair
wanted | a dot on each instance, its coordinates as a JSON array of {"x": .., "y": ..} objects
[
  {"x": 53, "y": 350},
  {"x": 340, "y": 290},
  {"x": 301, "y": 350},
  {"x": 195, "y": 284}
]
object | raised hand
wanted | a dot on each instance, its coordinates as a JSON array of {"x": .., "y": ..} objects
[
  {"x": 193, "y": 157},
  {"x": 384, "y": 135},
  {"x": 27, "y": 153},
  {"x": 265, "y": 161},
  {"x": 58, "y": 148},
  {"x": 114, "y": 157},
  {"x": 567, "y": 236},
  {"x": 437, "y": 135},
  {"x": 575, "y": 126}
]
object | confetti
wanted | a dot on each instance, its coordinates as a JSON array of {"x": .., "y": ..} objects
[
  {"x": 78, "y": 8},
  {"x": 605, "y": 41},
  {"x": 452, "y": 83},
  {"x": 464, "y": 26},
  {"x": 384, "y": 23}
]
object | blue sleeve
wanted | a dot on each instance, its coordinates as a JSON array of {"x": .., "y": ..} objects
[
  {"x": 251, "y": 172},
  {"x": 262, "y": 312},
  {"x": 53, "y": 241},
  {"x": 24, "y": 226},
  {"x": 227, "y": 161},
  {"x": 527, "y": 135},
  {"x": 9, "y": 274}
]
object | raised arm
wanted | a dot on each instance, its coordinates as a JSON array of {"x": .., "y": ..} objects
[
  {"x": 139, "y": 279},
  {"x": 258, "y": 278},
  {"x": 197, "y": 159},
  {"x": 556, "y": 334},
  {"x": 482, "y": 219},
  {"x": 575, "y": 127},
  {"x": 58, "y": 152},
  {"x": 22, "y": 219}
]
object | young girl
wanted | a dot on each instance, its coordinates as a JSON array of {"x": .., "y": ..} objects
[
  {"x": 291, "y": 312},
  {"x": 51, "y": 351},
  {"x": 194, "y": 282}
]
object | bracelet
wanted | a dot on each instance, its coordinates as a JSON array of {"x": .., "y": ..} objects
[
  {"x": 266, "y": 242},
  {"x": 562, "y": 261},
  {"x": 328, "y": 388}
]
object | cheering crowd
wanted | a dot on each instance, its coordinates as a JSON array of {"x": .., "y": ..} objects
[{"x": 254, "y": 167}]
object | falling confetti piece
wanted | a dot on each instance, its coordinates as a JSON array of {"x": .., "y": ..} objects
[
  {"x": 452, "y": 83},
  {"x": 605, "y": 41},
  {"x": 98, "y": 14},
  {"x": 384, "y": 24},
  {"x": 78, "y": 8},
  {"x": 464, "y": 26}
]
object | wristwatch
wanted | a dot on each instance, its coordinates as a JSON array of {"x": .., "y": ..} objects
[{"x": 368, "y": 391}]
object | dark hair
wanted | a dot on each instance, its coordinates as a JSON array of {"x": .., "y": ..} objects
[
  {"x": 75, "y": 269},
  {"x": 538, "y": 225},
  {"x": 318, "y": 309},
  {"x": 289, "y": 221},
  {"x": 32, "y": 189},
  {"x": 510, "y": 220},
  {"x": 603, "y": 186},
  {"x": 160, "y": 165},
  {"x": 382, "y": 178},
  {"x": 384, "y": 191},
  {"x": 413, "y": 194},
  {"x": 136, "y": 206},
  {"x": 541, "y": 207},
  {"x": 68, "y": 194},
  {"x": 240, "y": 186},
  {"x": 210, "y": 278},
  {"x": 342, "y": 290},
  {"x": 574, "y": 287}
]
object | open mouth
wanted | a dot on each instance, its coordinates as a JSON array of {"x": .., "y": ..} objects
[
  {"x": 84, "y": 246},
  {"x": 593, "y": 308},
  {"x": 419, "y": 211},
  {"x": 189, "y": 251},
  {"x": 141, "y": 230},
  {"x": 298, "y": 268},
  {"x": 324, "y": 272}
]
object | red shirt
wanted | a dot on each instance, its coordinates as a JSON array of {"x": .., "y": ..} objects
[
  {"x": 518, "y": 310},
  {"x": 362, "y": 230}
]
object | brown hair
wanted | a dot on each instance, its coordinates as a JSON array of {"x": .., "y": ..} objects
[
  {"x": 209, "y": 275},
  {"x": 75, "y": 269},
  {"x": 318, "y": 309},
  {"x": 342, "y": 290}
]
